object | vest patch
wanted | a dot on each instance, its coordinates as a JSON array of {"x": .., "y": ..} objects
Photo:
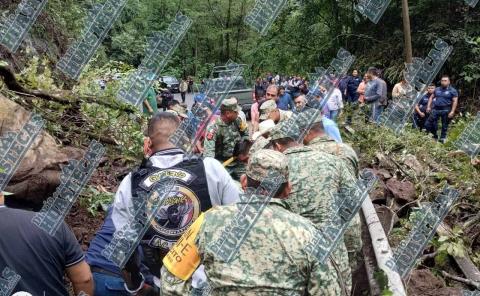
[
  {"x": 178, "y": 174},
  {"x": 176, "y": 213}
]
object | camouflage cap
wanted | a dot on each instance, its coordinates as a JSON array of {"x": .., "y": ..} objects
[
  {"x": 264, "y": 162},
  {"x": 304, "y": 118},
  {"x": 230, "y": 104},
  {"x": 180, "y": 110},
  {"x": 285, "y": 129},
  {"x": 267, "y": 107},
  {"x": 260, "y": 143}
]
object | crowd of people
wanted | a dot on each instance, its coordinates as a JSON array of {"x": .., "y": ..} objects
[
  {"x": 232, "y": 158},
  {"x": 368, "y": 94}
]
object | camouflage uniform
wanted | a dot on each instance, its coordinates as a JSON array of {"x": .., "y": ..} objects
[
  {"x": 222, "y": 137},
  {"x": 260, "y": 143},
  {"x": 316, "y": 178},
  {"x": 272, "y": 259},
  {"x": 353, "y": 235}
]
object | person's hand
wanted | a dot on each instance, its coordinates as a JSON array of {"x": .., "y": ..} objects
[
  {"x": 451, "y": 114},
  {"x": 422, "y": 114},
  {"x": 429, "y": 109}
]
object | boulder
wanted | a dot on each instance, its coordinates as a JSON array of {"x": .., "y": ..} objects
[
  {"x": 38, "y": 174},
  {"x": 401, "y": 191}
]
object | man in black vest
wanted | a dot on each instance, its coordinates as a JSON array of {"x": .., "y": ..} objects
[{"x": 200, "y": 184}]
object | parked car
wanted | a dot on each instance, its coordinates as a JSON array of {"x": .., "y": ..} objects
[{"x": 171, "y": 83}]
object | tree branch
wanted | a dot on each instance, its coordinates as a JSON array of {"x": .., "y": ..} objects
[{"x": 64, "y": 97}]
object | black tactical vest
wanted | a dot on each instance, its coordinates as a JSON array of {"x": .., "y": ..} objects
[{"x": 178, "y": 210}]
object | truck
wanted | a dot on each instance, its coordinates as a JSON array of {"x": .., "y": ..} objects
[{"x": 240, "y": 90}]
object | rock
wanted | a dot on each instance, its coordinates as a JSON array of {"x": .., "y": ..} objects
[
  {"x": 382, "y": 174},
  {"x": 378, "y": 194},
  {"x": 384, "y": 162},
  {"x": 412, "y": 163},
  {"x": 424, "y": 283},
  {"x": 38, "y": 174},
  {"x": 404, "y": 191}
]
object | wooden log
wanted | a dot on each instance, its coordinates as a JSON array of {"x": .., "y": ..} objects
[{"x": 465, "y": 263}]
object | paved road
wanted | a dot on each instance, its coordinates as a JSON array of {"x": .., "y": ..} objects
[{"x": 188, "y": 99}]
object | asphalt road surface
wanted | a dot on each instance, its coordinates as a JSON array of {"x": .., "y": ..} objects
[{"x": 188, "y": 99}]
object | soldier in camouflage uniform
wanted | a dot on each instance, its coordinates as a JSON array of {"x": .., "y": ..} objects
[
  {"x": 316, "y": 139},
  {"x": 317, "y": 178},
  {"x": 272, "y": 259},
  {"x": 269, "y": 110},
  {"x": 224, "y": 133}
]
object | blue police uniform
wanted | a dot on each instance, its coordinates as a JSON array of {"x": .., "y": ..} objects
[
  {"x": 420, "y": 122},
  {"x": 442, "y": 105}
]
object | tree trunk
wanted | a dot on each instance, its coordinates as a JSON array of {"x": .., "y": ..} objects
[
  {"x": 406, "y": 31},
  {"x": 229, "y": 15}
]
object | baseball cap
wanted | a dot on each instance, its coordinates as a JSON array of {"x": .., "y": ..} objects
[
  {"x": 264, "y": 127},
  {"x": 180, "y": 110},
  {"x": 230, "y": 104},
  {"x": 285, "y": 129},
  {"x": 264, "y": 162},
  {"x": 267, "y": 107}
]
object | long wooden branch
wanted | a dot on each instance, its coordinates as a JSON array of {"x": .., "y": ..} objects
[
  {"x": 65, "y": 97},
  {"x": 462, "y": 280},
  {"x": 465, "y": 263}
]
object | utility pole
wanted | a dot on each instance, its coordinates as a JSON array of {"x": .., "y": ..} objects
[{"x": 407, "y": 37}]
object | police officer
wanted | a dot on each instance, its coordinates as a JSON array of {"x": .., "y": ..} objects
[
  {"x": 317, "y": 179},
  {"x": 272, "y": 260},
  {"x": 200, "y": 184},
  {"x": 224, "y": 133},
  {"x": 442, "y": 103},
  {"x": 316, "y": 139},
  {"x": 421, "y": 117}
]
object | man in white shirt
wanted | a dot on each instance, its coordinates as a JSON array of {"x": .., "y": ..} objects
[
  {"x": 200, "y": 184},
  {"x": 334, "y": 103}
]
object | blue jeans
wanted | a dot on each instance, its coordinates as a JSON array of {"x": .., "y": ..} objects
[
  {"x": 375, "y": 110},
  {"x": 333, "y": 115},
  {"x": 108, "y": 285},
  {"x": 443, "y": 115}
]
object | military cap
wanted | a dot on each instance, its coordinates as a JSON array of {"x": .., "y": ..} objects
[
  {"x": 304, "y": 118},
  {"x": 285, "y": 129},
  {"x": 263, "y": 163},
  {"x": 260, "y": 143},
  {"x": 230, "y": 104},
  {"x": 267, "y": 107},
  {"x": 180, "y": 110}
]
